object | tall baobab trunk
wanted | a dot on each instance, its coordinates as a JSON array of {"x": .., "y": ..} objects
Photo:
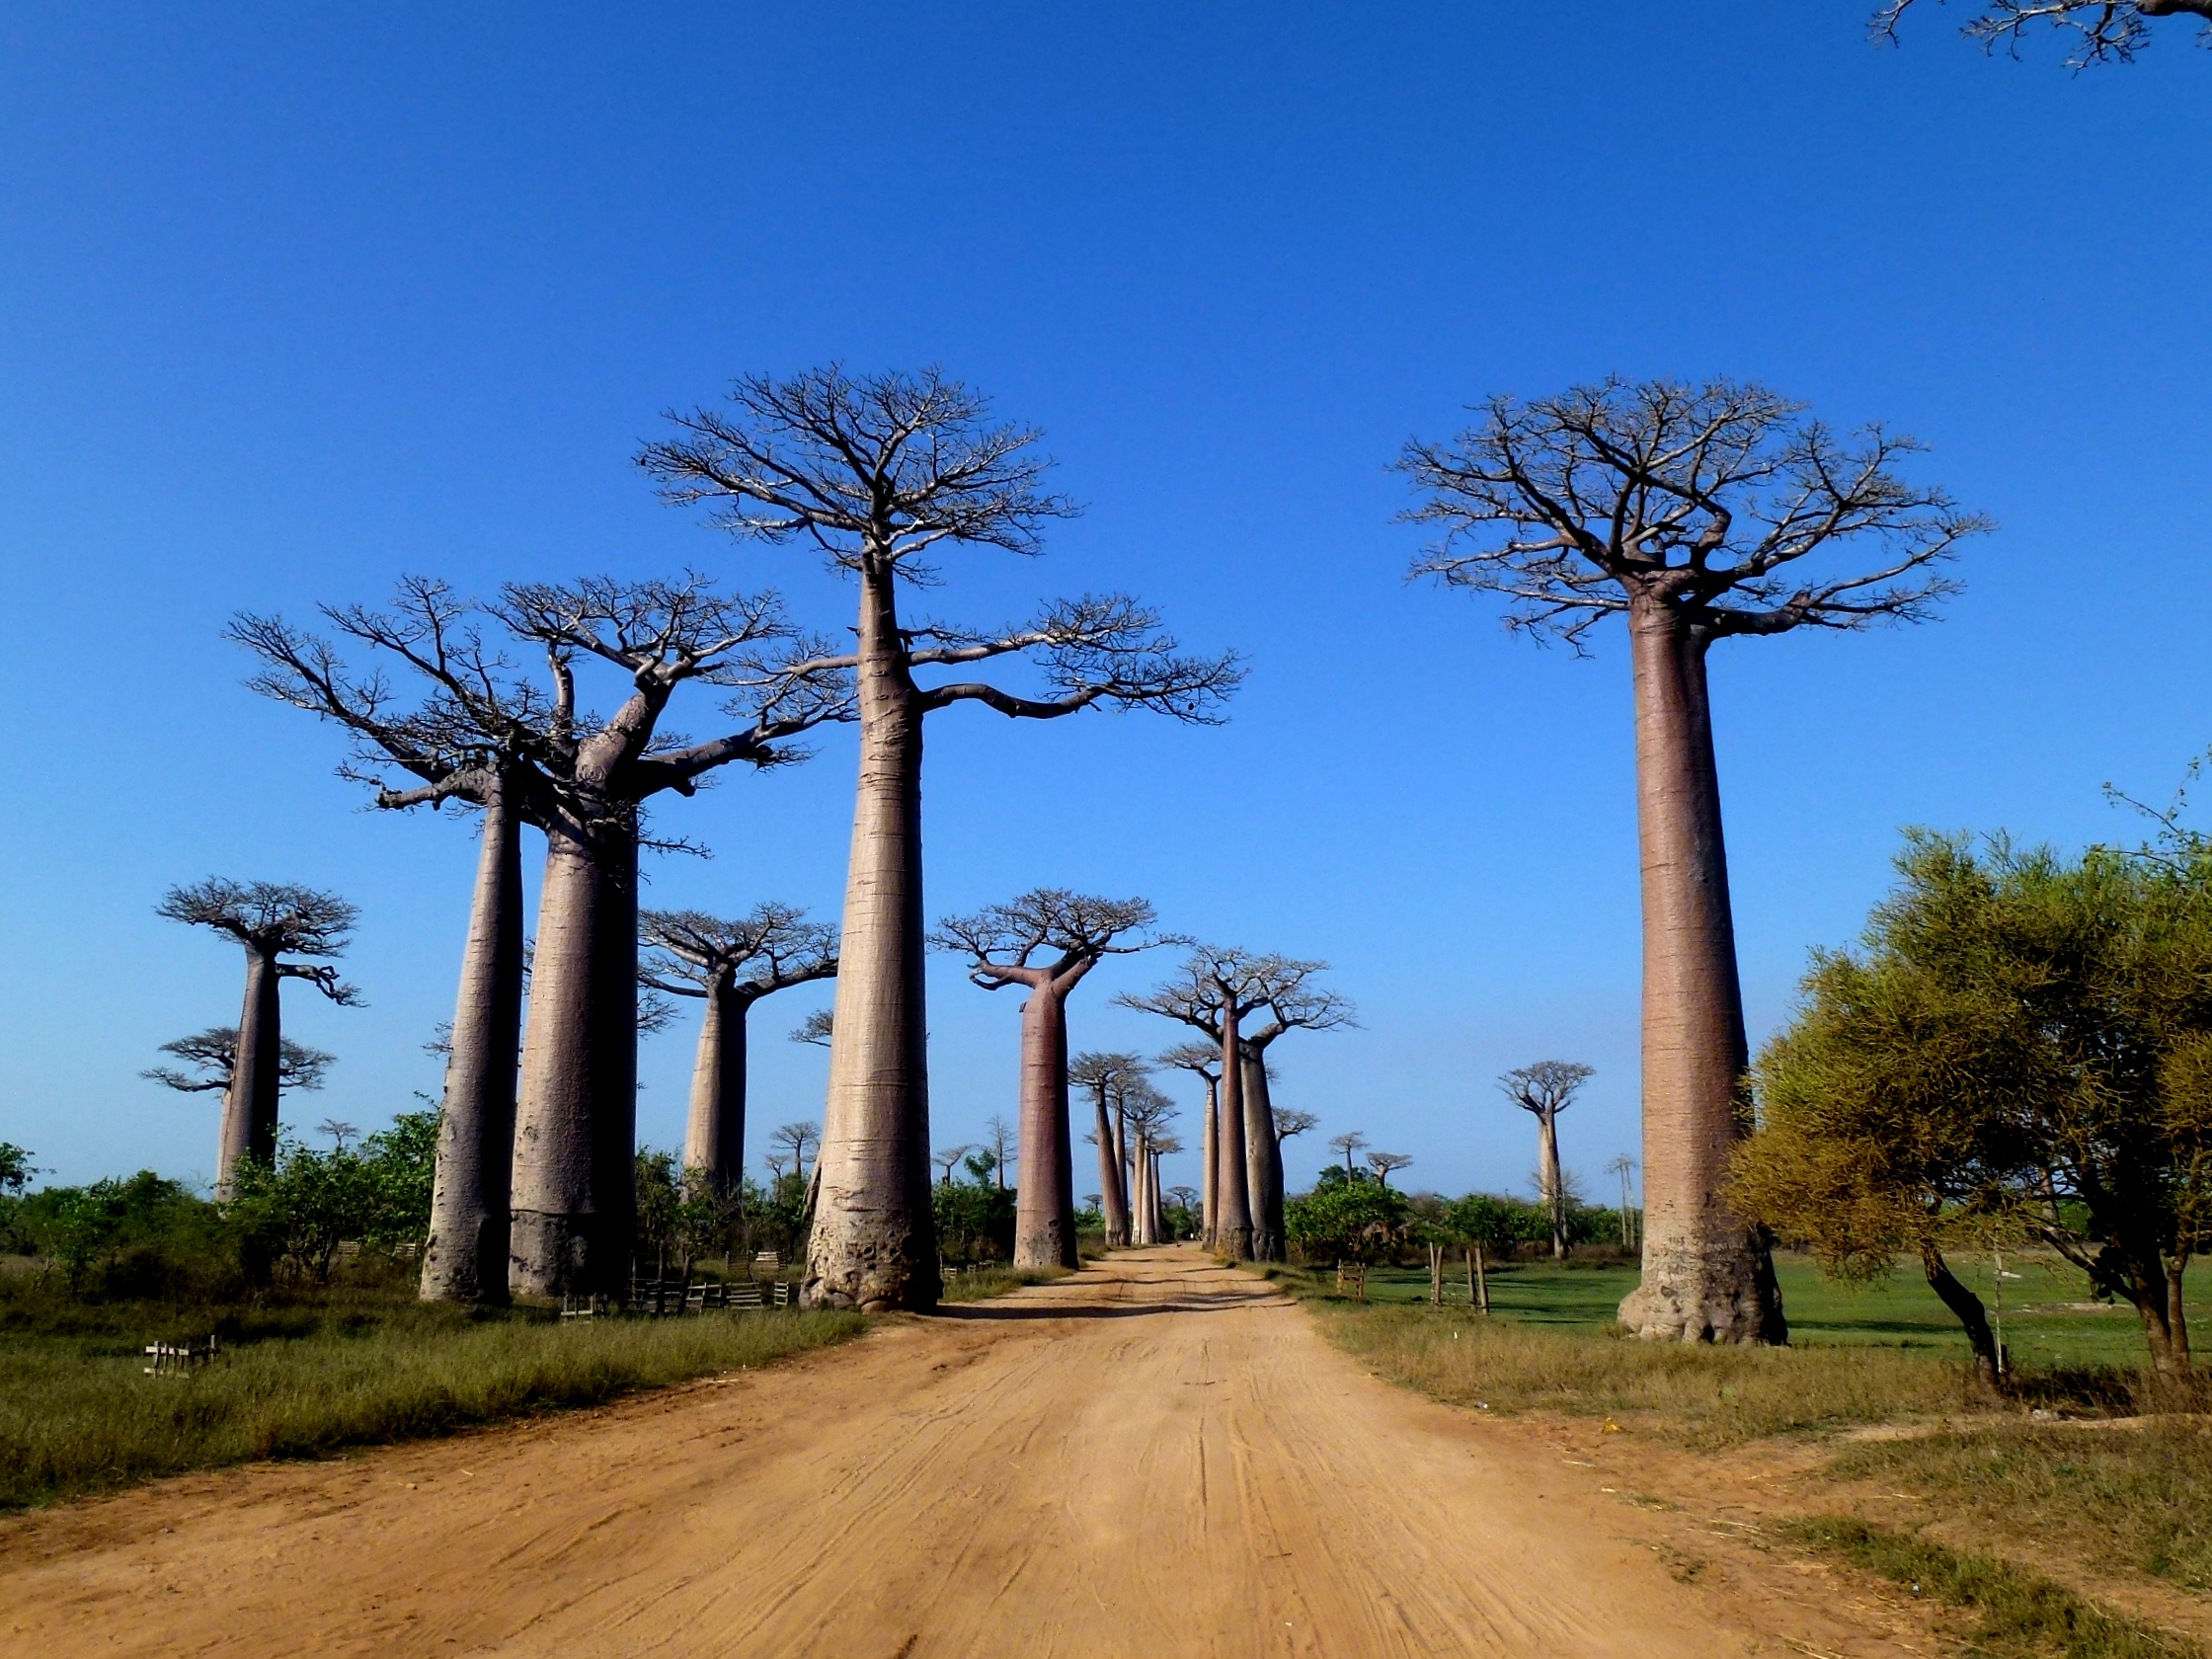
[
  {"x": 874, "y": 1243},
  {"x": 575, "y": 1126},
  {"x": 1045, "y": 1197},
  {"x": 1263, "y": 1161},
  {"x": 1550, "y": 1183},
  {"x": 714, "y": 1132},
  {"x": 1706, "y": 1275},
  {"x": 466, "y": 1256},
  {"x": 1233, "y": 1232},
  {"x": 1113, "y": 1198},
  {"x": 1141, "y": 1229},
  {"x": 249, "y": 1128},
  {"x": 1208, "y": 1175}
]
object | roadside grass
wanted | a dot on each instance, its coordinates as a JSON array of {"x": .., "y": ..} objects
[
  {"x": 359, "y": 1364},
  {"x": 978, "y": 1283},
  {"x": 2125, "y": 1499},
  {"x": 2017, "y": 1614}
]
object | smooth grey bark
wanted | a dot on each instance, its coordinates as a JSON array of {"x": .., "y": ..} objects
[
  {"x": 1263, "y": 1159},
  {"x": 714, "y": 1130},
  {"x": 1232, "y": 1233},
  {"x": 1044, "y": 1195},
  {"x": 250, "y": 1104},
  {"x": 873, "y": 1242},
  {"x": 466, "y": 1256},
  {"x": 1706, "y": 1273},
  {"x": 1113, "y": 1198},
  {"x": 1553, "y": 1181}
]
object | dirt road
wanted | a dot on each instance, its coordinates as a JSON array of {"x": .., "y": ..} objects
[{"x": 1158, "y": 1458}]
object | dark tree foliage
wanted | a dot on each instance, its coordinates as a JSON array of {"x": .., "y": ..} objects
[{"x": 2097, "y": 31}]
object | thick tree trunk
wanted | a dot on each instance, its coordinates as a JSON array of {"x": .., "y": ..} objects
[
  {"x": 1548, "y": 1177},
  {"x": 1263, "y": 1161},
  {"x": 714, "y": 1131},
  {"x": 1233, "y": 1231},
  {"x": 1706, "y": 1275},
  {"x": 873, "y": 1242},
  {"x": 1208, "y": 1175},
  {"x": 249, "y": 1127},
  {"x": 466, "y": 1256},
  {"x": 1967, "y": 1307},
  {"x": 576, "y": 1123},
  {"x": 2151, "y": 1287},
  {"x": 1113, "y": 1201},
  {"x": 1045, "y": 1197},
  {"x": 1141, "y": 1231}
]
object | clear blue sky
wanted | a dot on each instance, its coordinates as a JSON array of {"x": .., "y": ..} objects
[{"x": 295, "y": 300}]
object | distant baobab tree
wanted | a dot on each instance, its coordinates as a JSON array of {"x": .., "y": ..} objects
[
  {"x": 1105, "y": 1077},
  {"x": 799, "y": 1140},
  {"x": 1384, "y": 1164},
  {"x": 1689, "y": 512},
  {"x": 813, "y": 1029},
  {"x": 1046, "y": 941},
  {"x": 273, "y": 921},
  {"x": 1546, "y": 1089},
  {"x": 1004, "y": 1146},
  {"x": 881, "y": 473},
  {"x": 730, "y": 965},
  {"x": 557, "y": 1153},
  {"x": 1145, "y": 1112},
  {"x": 947, "y": 1160},
  {"x": 215, "y": 1052},
  {"x": 1294, "y": 1004},
  {"x": 2104, "y": 30},
  {"x": 1290, "y": 1121},
  {"x": 1203, "y": 1061},
  {"x": 1347, "y": 1143}
]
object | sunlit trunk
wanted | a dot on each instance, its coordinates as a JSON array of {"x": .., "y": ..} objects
[
  {"x": 1967, "y": 1307},
  {"x": 714, "y": 1129},
  {"x": 874, "y": 1242},
  {"x": 1045, "y": 1196},
  {"x": 1263, "y": 1161},
  {"x": 1233, "y": 1233},
  {"x": 1113, "y": 1201},
  {"x": 465, "y": 1258},
  {"x": 1707, "y": 1277},
  {"x": 1549, "y": 1179},
  {"x": 1208, "y": 1175},
  {"x": 249, "y": 1127},
  {"x": 575, "y": 1122}
]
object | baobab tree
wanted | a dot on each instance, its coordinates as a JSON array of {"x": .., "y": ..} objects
[
  {"x": 1142, "y": 1115},
  {"x": 2104, "y": 30},
  {"x": 1386, "y": 1163},
  {"x": 1203, "y": 1060},
  {"x": 1690, "y": 511},
  {"x": 214, "y": 1052},
  {"x": 1546, "y": 1089},
  {"x": 881, "y": 473},
  {"x": 731, "y": 966},
  {"x": 815, "y": 1029},
  {"x": 1294, "y": 1004},
  {"x": 484, "y": 736},
  {"x": 1045, "y": 940},
  {"x": 1003, "y": 1143},
  {"x": 800, "y": 1141},
  {"x": 1348, "y": 1144},
  {"x": 1105, "y": 1079},
  {"x": 273, "y": 921}
]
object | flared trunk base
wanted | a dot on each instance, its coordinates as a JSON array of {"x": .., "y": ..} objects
[
  {"x": 467, "y": 1261},
  {"x": 1048, "y": 1246},
  {"x": 1717, "y": 1292},
  {"x": 550, "y": 1255},
  {"x": 879, "y": 1268}
]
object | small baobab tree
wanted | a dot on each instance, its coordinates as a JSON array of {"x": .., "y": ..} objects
[
  {"x": 1385, "y": 1164},
  {"x": 731, "y": 966},
  {"x": 1546, "y": 1089},
  {"x": 881, "y": 473},
  {"x": 1106, "y": 1077},
  {"x": 1003, "y": 1143},
  {"x": 1143, "y": 1113},
  {"x": 2103, "y": 31},
  {"x": 1291, "y": 1121},
  {"x": 799, "y": 1140},
  {"x": 484, "y": 736},
  {"x": 1695, "y": 513},
  {"x": 213, "y": 1054},
  {"x": 1045, "y": 940},
  {"x": 1203, "y": 1061},
  {"x": 1294, "y": 1004},
  {"x": 1347, "y": 1144},
  {"x": 273, "y": 921}
]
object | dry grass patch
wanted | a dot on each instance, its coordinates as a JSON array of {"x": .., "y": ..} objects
[{"x": 996, "y": 1281}]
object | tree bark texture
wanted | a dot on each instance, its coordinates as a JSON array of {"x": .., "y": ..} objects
[
  {"x": 1706, "y": 1275},
  {"x": 1263, "y": 1161},
  {"x": 249, "y": 1127},
  {"x": 1233, "y": 1233},
  {"x": 576, "y": 1123},
  {"x": 1967, "y": 1307},
  {"x": 714, "y": 1130},
  {"x": 465, "y": 1258},
  {"x": 1548, "y": 1179},
  {"x": 874, "y": 1243},
  {"x": 1045, "y": 1196}
]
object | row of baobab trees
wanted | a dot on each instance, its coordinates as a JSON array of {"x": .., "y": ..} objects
[{"x": 1694, "y": 513}]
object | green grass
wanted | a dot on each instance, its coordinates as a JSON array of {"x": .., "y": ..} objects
[
  {"x": 2015, "y": 1614},
  {"x": 981, "y": 1282},
  {"x": 2128, "y": 1500},
  {"x": 365, "y": 1365}
]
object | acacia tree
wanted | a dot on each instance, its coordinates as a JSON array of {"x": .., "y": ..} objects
[
  {"x": 730, "y": 966},
  {"x": 1546, "y": 1089},
  {"x": 2104, "y": 30},
  {"x": 1294, "y": 1004},
  {"x": 1204, "y": 1061},
  {"x": 1105, "y": 1076},
  {"x": 1689, "y": 512},
  {"x": 1047, "y": 939},
  {"x": 556, "y": 1154},
  {"x": 271, "y": 920},
  {"x": 880, "y": 473},
  {"x": 215, "y": 1052}
]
